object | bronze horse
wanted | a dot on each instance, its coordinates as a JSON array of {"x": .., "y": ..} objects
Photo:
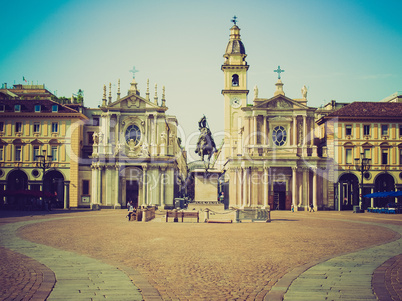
[{"x": 205, "y": 144}]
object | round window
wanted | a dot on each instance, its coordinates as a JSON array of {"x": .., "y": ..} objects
[
  {"x": 133, "y": 132},
  {"x": 1, "y": 173},
  {"x": 35, "y": 173},
  {"x": 367, "y": 175},
  {"x": 279, "y": 135}
]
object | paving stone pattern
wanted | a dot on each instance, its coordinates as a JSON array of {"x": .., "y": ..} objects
[
  {"x": 23, "y": 278},
  {"x": 387, "y": 279},
  {"x": 346, "y": 277},
  {"x": 77, "y": 277},
  {"x": 223, "y": 268}
]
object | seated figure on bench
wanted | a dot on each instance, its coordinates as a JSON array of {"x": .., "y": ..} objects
[{"x": 131, "y": 210}]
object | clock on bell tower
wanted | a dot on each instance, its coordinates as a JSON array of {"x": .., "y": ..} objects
[{"x": 235, "y": 90}]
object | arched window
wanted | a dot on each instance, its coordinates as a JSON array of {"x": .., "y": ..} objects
[{"x": 235, "y": 80}]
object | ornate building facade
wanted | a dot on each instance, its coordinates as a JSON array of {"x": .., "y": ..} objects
[
  {"x": 372, "y": 130},
  {"x": 270, "y": 155},
  {"x": 134, "y": 153},
  {"x": 31, "y": 125}
]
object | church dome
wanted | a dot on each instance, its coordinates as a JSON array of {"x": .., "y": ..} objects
[{"x": 235, "y": 45}]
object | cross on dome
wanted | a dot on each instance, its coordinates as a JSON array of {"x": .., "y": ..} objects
[
  {"x": 234, "y": 20},
  {"x": 279, "y": 71}
]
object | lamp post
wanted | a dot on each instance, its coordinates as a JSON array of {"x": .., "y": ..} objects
[
  {"x": 44, "y": 164},
  {"x": 362, "y": 164}
]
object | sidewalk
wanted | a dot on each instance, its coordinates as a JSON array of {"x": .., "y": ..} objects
[
  {"x": 77, "y": 277},
  {"x": 347, "y": 277}
]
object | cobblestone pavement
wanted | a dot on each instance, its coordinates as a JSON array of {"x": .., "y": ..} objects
[
  {"x": 193, "y": 261},
  {"x": 77, "y": 277},
  {"x": 23, "y": 278},
  {"x": 387, "y": 279},
  {"x": 346, "y": 277}
]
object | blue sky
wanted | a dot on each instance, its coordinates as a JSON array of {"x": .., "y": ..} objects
[{"x": 342, "y": 50}]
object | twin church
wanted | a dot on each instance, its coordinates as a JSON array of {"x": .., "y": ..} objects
[{"x": 269, "y": 154}]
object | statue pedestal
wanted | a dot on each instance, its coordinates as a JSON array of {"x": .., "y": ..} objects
[{"x": 206, "y": 186}]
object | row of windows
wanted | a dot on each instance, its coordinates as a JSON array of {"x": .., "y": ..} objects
[
  {"x": 18, "y": 153},
  {"x": 36, "y": 127},
  {"x": 38, "y": 108},
  {"x": 367, "y": 154},
  {"x": 367, "y": 130}
]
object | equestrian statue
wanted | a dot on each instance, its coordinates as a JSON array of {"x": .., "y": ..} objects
[{"x": 205, "y": 144}]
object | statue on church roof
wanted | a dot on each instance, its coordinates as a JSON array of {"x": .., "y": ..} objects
[
  {"x": 304, "y": 92},
  {"x": 205, "y": 144},
  {"x": 255, "y": 92}
]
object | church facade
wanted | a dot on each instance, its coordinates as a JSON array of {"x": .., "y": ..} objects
[
  {"x": 270, "y": 152},
  {"x": 131, "y": 153}
]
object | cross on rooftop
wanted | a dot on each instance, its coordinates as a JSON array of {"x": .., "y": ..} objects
[
  {"x": 279, "y": 71},
  {"x": 234, "y": 20},
  {"x": 134, "y": 71}
]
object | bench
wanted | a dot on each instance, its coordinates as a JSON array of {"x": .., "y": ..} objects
[
  {"x": 183, "y": 214},
  {"x": 190, "y": 214},
  {"x": 136, "y": 216},
  {"x": 173, "y": 214}
]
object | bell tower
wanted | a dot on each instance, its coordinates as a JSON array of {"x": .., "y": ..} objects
[{"x": 235, "y": 91}]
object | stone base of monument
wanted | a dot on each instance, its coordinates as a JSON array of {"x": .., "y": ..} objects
[
  {"x": 206, "y": 186},
  {"x": 213, "y": 213}
]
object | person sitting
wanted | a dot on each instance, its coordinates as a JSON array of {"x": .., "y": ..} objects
[{"x": 130, "y": 207}]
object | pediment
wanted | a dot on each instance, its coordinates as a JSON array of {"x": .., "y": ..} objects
[
  {"x": 280, "y": 102},
  {"x": 132, "y": 102},
  {"x": 367, "y": 144},
  {"x": 36, "y": 141},
  {"x": 18, "y": 141},
  {"x": 54, "y": 141}
]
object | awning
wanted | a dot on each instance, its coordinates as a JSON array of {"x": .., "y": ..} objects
[{"x": 384, "y": 194}]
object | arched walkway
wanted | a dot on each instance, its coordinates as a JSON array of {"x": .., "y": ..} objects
[
  {"x": 348, "y": 192},
  {"x": 54, "y": 184},
  {"x": 17, "y": 181},
  {"x": 384, "y": 182}
]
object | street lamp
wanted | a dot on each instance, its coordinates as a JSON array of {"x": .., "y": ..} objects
[
  {"x": 362, "y": 164},
  {"x": 44, "y": 164}
]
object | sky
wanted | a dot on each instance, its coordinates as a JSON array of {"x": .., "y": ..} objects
[{"x": 344, "y": 50}]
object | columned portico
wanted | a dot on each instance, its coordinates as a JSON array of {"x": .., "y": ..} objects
[
  {"x": 162, "y": 186},
  {"x": 117, "y": 187},
  {"x": 144, "y": 185},
  {"x": 266, "y": 184},
  {"x": 315, "y": 187},
  {"x": 294, "y": 188}
]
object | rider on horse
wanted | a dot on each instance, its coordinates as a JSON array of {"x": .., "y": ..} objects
[{"x": 205, "y": 144}]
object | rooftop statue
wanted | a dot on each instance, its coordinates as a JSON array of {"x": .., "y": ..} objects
[{"x": 205, "y": 144}]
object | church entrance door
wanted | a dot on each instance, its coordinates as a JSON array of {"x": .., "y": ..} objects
[
  {"x": 132, "y": 192},
  {"x": 279, "y": 196}
]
